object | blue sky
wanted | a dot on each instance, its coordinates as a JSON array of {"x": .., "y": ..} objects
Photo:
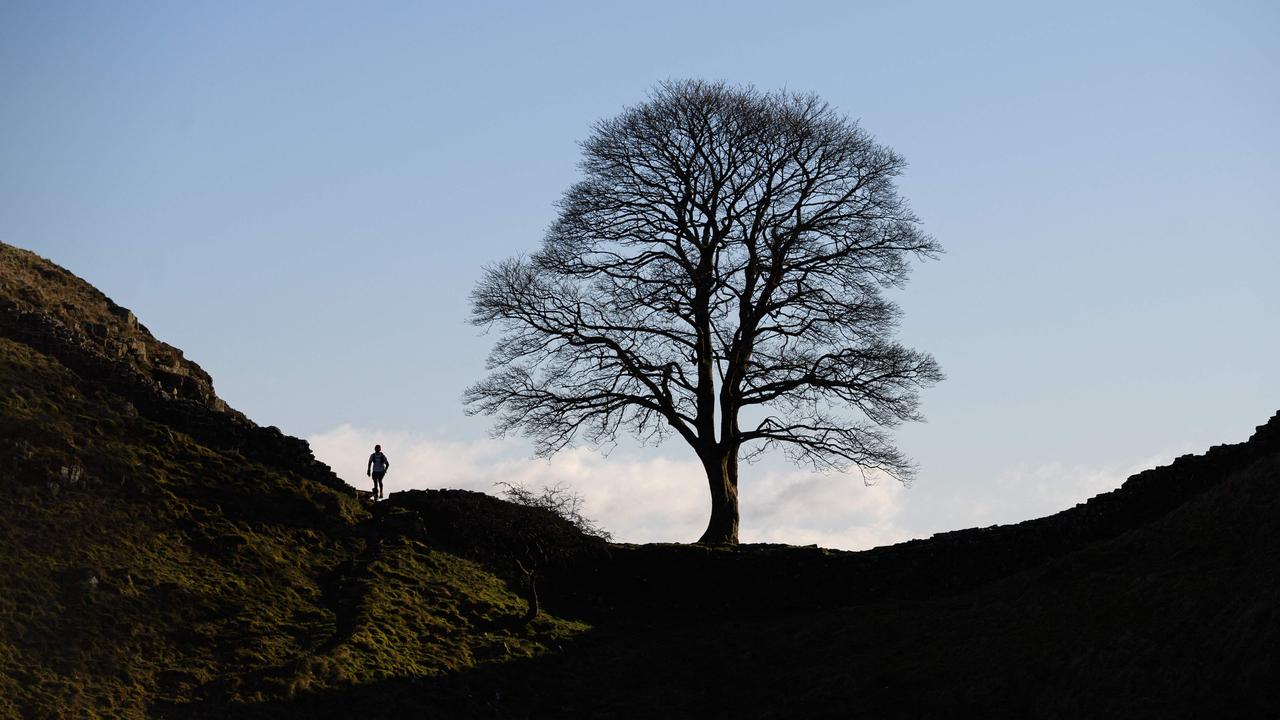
[{"x": 302, "y": 195}]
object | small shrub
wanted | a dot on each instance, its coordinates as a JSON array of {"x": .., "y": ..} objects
[{"x": 560, "y": 499}]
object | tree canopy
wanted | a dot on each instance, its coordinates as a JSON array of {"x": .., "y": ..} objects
[{"x": 717, "y": 274}]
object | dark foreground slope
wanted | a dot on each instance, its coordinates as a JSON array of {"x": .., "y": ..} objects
[
  {"x": 1110, "y": 609},
  {"x": 163, "y": 556}
]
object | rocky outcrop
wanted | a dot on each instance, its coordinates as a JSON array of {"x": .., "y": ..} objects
[
  {"x": 48, "y": 307},
  {"x": 55, "y": 312}
]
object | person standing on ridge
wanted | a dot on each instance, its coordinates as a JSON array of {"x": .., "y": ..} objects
[{"x": 377, "y": 467}]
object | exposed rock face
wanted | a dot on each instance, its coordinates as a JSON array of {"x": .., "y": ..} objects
[
  {"x": 55, "y": 312},
  {"x": 46, "y": 306}
]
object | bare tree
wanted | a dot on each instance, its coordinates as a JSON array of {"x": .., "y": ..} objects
[{"x": 718, "y": 274}]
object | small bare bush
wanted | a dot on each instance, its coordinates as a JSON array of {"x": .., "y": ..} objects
[{"x": 560, "y": 499}]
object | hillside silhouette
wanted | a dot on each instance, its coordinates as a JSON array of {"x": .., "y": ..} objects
[{"x": 161, "y": 555}]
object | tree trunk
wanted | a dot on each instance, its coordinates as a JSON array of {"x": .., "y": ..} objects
[
  {"x": 530, "y": 587},
  {"x": 531, "y": 597},
  {"x": 722, "y": 478}
]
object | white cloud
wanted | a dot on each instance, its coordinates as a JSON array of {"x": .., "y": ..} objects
[
  {"x": 661, "y": 496},
  {"x": 831, "y": 510},
  {"x": 639, "y": 498}
]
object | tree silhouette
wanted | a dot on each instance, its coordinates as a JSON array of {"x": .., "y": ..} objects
[{"x": 717, "y": 274}]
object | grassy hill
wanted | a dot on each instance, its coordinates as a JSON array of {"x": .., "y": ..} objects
[
  {"x": 163, "y": 556},
  {"x": 154, "y": 552}
]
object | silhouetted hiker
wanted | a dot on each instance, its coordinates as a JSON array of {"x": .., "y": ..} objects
[{"x": 378, "y": 464}]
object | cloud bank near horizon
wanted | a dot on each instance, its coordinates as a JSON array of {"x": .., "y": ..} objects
[
  {"x": 651, "y": 497},
  {"x": 638, "y": 498}
]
